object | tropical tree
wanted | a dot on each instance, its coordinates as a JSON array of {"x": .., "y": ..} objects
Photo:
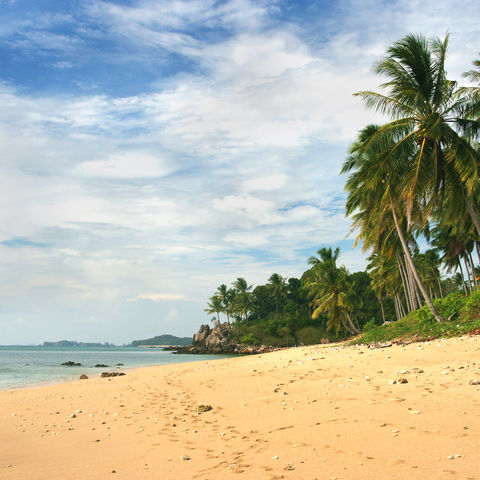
[
  {"x": 278, "y": 286},
  {"x": 474, "y": 75},
  {"x": 374, "y": 192},
  {"x": 214, "y": 306},
  {"x": 431, "y": 119},
  {"x": 428, "y": 264},
  {"x": 332, "y": 292},
  {"x": 226, "y": 295},
  {"x": 241, "y": 300}
]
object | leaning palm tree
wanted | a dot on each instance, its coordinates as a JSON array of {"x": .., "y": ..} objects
[
  {"x": 374, "y": 201},
  {"x": 431, "y": 118}
]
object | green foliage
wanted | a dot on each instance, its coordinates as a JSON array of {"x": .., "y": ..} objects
[
  {"x": 313, "y": 335},
  {"x": 421, "y": 324},
  {"x": 471, "y": 310},
  {"x": 250, "y": 339}
]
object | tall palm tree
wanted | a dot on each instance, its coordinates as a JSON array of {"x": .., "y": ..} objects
[
  {"x": 374, "y": 187},
  {"x": 430, "y": 119}
]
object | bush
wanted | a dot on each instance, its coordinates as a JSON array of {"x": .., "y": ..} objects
[
  {"x": 310, "y": 335},
  {"x": 370, "y": 325},
  {"x": 471, "y": 309},
  {"x": 250, "y": 339}
]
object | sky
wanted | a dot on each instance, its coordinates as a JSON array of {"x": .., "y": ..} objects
[{"x": 152, "y": 150}]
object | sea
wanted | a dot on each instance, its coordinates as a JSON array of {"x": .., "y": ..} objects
[{"x": 32, "y": 366}]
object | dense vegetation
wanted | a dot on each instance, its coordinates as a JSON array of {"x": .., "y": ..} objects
[
  {"x": 163, "y": 340},
  {"x": 411, "y": 181}
]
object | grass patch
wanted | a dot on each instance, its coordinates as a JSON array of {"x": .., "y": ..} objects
[{"x": 420, "y": 325}]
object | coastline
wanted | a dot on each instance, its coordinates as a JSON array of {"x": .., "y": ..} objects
[
  {"x": 36, "y": 366},
  {"x": 321, "y": 411}
]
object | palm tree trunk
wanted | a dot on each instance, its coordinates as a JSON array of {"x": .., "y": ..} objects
[
  {"x": 404, "y": 282},
  {"x": 468, "y": 274},
  {"x": 473, "y": 214},
  {"x": 463, "y": 277},
  {"x": 408, "y": 257},
  {"x": 395, "y": 303},
  {"x": 440, "y": 287},
  {"x": 411, "y": 286},
  {"x": 354, "y": 328},
  {"x": 417, "y": 296},
  {"x": 473, "y": 269},
  {"x": 381, "y": 307},
  {"x": 402, "y": 309}
]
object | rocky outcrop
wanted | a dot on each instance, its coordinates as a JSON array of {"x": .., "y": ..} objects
[
  {"x": 219, "y": 339},
  {"x": 214, "y": 340}
]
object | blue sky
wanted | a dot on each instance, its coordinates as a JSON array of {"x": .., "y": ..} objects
[{"x": 151, "y": 150}]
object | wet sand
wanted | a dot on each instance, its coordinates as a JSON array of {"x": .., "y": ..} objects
[{"x": 306, "y": 413}]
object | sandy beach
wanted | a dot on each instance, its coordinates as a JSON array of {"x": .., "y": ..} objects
[{"x": 318, "y": 412}]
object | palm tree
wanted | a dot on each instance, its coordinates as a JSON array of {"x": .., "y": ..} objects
[
  {"x": 214, "y": 306},
  {"x": 430, "y": 118},
  {"x": 429, "y": 265},
  {"x": 226, "y": 295},
  {"x": 374, "y": 189},
  {"x": 278, "y": 286},
  {"x": 331, "y": 291},
  {"x": 241, "y": 301},
  {"x": 474, "y": 75}
]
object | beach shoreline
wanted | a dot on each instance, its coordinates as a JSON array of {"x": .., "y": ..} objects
[{"x": 302, "y": 413}]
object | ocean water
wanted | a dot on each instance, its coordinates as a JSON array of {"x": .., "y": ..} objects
[{"x": 30, "y": 366}]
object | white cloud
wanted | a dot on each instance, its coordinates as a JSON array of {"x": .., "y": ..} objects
[
  {"x": 136, "y": 164},
  {"x": 267, "y": 183},
  {"x": 157, "y": 297},
  {"x": 182, "y": 186}
]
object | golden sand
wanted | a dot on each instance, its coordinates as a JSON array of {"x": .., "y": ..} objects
[{"x": 313, "y": 412}]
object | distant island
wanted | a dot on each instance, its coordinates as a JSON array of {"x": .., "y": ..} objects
[
  {"x": 162, "y": 340},
  {"x": 71, "y": 343}
]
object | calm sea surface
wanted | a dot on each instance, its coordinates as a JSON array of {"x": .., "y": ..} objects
[{"x": 29, "y": 366}]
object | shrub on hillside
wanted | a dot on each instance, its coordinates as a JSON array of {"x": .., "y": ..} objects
[
  {"x": 250, "y": 339},
  {"x": 471, "y": 309},
  {"x": 310, "y": 335}
]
